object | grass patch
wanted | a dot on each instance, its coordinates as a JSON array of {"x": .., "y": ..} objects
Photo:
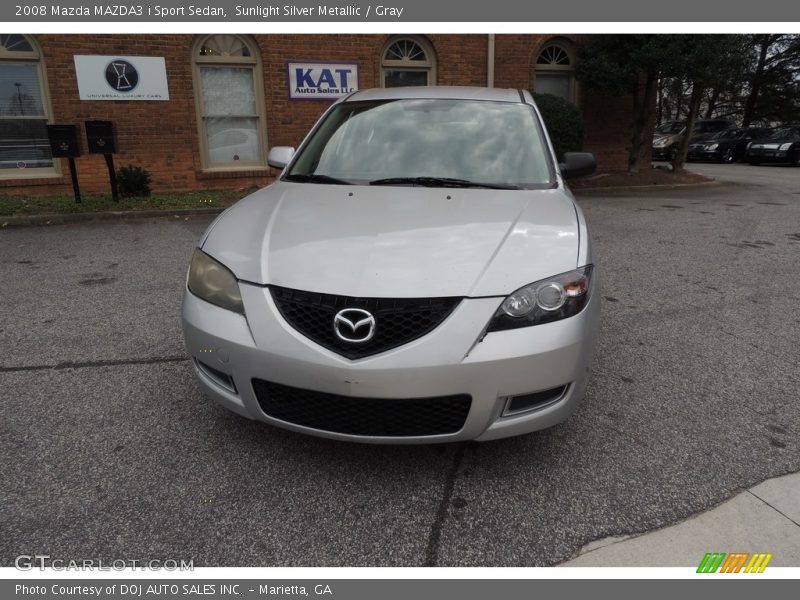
[{"x": 64, "y": 204}]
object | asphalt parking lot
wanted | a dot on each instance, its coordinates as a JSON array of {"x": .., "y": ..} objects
[{"x": 110, "y": 451}]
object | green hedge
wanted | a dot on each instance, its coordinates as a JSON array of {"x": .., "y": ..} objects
[{"x": 564, "y": 122}]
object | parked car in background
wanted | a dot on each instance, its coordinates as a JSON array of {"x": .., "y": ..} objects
[
  {"x": 782, "y": 146},
  {"x": 666, "y": 139},
  {"x": 706, "y": 127},
  {"x": 726, "y": 146},
  {"x": 668, "y": 136}
]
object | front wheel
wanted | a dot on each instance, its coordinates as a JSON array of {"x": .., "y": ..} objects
[
  {"x": 672, "y": 153},
  {"x": 729, "y": 156}
]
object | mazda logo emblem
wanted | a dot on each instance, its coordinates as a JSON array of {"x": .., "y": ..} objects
[{"x": 354, "y": 325}]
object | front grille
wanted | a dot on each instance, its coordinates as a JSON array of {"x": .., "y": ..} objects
[
  {"x": 363, "y": 416},
  {"x": 397, "y": 320}
]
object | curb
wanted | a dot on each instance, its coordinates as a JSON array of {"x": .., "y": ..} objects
[
  {"x": 647, "y": 188},
  {"x": 111, "y": 215}
]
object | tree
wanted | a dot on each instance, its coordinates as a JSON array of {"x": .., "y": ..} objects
[
  {"x": 777, "y": 65},
  {"x": 707, "y": 62},
  {"x": 628, "y": 65}
]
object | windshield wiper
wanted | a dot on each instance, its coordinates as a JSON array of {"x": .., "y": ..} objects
[
  {"x": 442, "y": 182},
  {"x": 315, "y": 178}
]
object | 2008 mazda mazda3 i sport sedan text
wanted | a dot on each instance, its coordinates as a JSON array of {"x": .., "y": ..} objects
[{"x": 419, "y": 273}]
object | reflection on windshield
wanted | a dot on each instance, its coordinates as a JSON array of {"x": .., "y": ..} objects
[
  {"x": 727, "y": 134},
  {"x": 670, "y": 128},
  {"x": 787, "y": 133},
  {"x": 478, "y": 141}
]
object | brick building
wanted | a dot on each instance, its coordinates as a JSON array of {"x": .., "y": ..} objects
[{"x": 229, "y": 97}]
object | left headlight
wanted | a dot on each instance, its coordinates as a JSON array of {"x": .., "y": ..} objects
[
  {"x": 785, "y": 147},
  {"x": 544, "y": 301},
  {"x": 213, "y": 282},
  {"x": 712, "y": 146}
]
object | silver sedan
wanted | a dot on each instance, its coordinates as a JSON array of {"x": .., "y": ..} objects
[{"x": 419, "y": 273}]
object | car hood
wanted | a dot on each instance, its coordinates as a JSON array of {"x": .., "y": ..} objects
[{"x": 383, "y": 241}]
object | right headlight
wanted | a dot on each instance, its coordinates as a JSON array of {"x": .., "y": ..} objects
[
  {"x": 213, "y": 282},
  {"x": 544, "y": 301}
]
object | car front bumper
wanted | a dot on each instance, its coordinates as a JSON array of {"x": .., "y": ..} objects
[
  {"x": 660, "y": 152},
  {"x": 766, "y": 155},
  {"x": 448, "y": 361}
]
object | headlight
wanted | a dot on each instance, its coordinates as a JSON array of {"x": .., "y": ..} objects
[
  {"x": 785, "y": 147},
  {"x": 214, "y": 283},
  {"x": 544, "y": 301},
  {"x": 659, "y": 141},
  {"x": 712, "y": 146},
  {"x": 748, "y": 145}
]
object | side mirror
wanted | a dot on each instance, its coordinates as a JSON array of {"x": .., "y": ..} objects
[
  {"x": 577, "y": 164},
  {"x": 279, "y": 156}
]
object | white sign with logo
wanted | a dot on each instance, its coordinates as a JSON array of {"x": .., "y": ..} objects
[
  {"x": 322, "y": 80},
  {"x": 121, "y": 77}
]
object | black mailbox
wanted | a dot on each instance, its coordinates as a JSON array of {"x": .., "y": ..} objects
[
  {"x": 100, "y": 135},
  {"x": 64, "y": 141}
]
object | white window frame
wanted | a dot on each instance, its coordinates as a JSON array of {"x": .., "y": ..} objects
[
  {"x": 30, "y": 57},
  {"x": 556, "y": 69},
  {"x": 427, "y": 66},
  {"x": 252, "y": 62}
]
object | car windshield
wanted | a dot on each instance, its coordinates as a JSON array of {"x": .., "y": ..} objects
[
  {"x": 709, "y": 126},
  {"x": 787, "y": 133},
  {"x": 728, "y": 134},
  {"x": 427, "y": 142},
  {"x": 670, "y": 127}
]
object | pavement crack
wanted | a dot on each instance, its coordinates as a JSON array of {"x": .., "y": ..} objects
[
  {"x": 434, "y": 540},
  {"x": 95, "y": 363},
  {"x": 783, "y": 514}
]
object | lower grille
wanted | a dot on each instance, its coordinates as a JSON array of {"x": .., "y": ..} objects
[{"x": 363, "y": 416}]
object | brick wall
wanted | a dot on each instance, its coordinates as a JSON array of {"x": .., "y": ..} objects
[
  {"x": 608, "y": 119},
  {"x": 162, "y": 137}
]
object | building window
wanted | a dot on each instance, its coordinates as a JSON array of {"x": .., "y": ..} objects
[
  {"x": 554, "y": 71},
  {"x": 24, "y": 110},
  {"x": 230, "y": 103},
  {"x": 408, "y": 61}
]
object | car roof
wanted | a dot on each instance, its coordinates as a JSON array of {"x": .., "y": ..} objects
[{"x": 436, "y": 92}]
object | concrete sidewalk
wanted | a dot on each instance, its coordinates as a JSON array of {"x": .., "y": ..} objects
[{"x": 765, "y": 518}]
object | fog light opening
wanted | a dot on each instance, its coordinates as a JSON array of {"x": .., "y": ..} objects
[
  {"x": 523, "y": 403},
  {"x": 221, "y": 379}
]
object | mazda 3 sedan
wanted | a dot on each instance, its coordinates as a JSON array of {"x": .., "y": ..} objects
[{"x": 418, "y": 273}]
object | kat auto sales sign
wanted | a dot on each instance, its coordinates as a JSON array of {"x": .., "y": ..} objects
[{"x": 315, "y": 81}]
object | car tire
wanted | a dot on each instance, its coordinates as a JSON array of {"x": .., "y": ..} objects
[
  {"x": 729, "y": 156},
  {"x": 672, "y": 153}
]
